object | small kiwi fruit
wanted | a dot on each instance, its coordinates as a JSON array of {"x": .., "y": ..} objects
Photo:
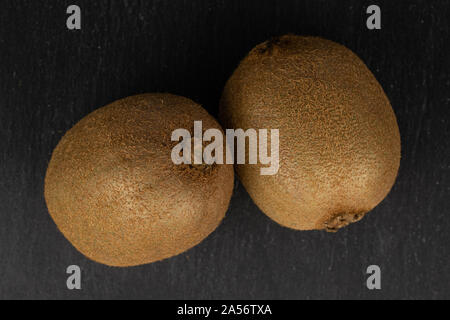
[
  {"x": 339, "y": 138},
  {"x": 112, "y": 189}
]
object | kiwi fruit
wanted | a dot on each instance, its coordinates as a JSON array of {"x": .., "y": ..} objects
[
  {"x": 114, "y": 192},
  {"x": 339, "y": 138}
]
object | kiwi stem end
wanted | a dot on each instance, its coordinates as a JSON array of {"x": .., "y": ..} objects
[{"x": 342, "y": 220}]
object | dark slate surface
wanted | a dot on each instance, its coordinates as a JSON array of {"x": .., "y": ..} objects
[{"x": 50, "y": 78}]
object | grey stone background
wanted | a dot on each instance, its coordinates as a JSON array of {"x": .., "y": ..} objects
[{"x": 50, "y": 78}]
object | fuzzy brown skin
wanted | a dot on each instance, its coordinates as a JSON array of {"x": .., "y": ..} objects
[
  {"x": 339, "y": 138},
  {"x": 114, "y": 192}
]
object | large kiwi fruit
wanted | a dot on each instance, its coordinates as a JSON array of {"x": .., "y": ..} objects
[
  {"x": 112, "y": 189},
  {"x": 339, "y": 138}
]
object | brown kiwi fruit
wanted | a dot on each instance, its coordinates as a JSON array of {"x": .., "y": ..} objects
[
  {"x": 339, "y": 138},
  {"x": 112, "y": 189}
]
